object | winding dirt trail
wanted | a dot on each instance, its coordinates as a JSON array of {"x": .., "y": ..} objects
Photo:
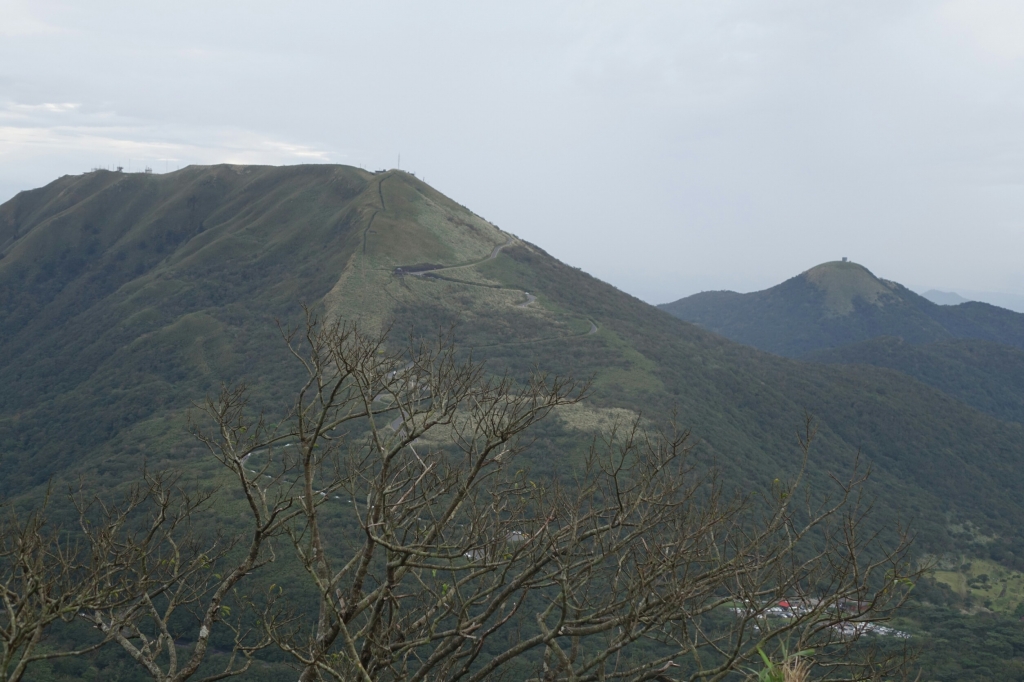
[
  {"x": 497, "y": 249},
  {"x": 380, "y": 192},
  {"x": 367, "y": 230},
  {"x": 383, "y": 207},
  {"x": 494, "y": 254},
  {"x": 530, "y": 298}
]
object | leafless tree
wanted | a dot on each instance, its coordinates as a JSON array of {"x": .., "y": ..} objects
[
  {"x": 457, "y": 564},
  {"x": 395, "y": 489},
  {"x": 44, "y": 579},
  {"x": 52, "y": 573},
  {"x": 175, "y": 567},
  {"x": 125, "y": 568}
]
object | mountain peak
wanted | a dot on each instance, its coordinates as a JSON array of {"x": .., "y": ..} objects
[
  {"x": 944, "y": 297},
  {"x": 843, "y": 282},
  {"x": 838, "y": 303},
  {"x": 123, "y": 297}
]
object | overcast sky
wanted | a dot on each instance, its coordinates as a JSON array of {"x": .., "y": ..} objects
[{"x": 665, "y": 147}]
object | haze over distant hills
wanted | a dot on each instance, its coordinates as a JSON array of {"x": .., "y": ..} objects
[
  {"x": 125, "y": 297},
  {"x": 837, "y": 303},
  {"x": 944, "y": 297},
  {"x": 840, "y": 313},
  {"x": 1012, "y": 302}
]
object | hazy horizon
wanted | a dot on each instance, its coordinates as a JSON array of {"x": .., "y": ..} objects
[{"x": 665, "y": 148}]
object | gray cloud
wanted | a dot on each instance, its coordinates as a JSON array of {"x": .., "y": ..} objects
[{"x": 665, "y": 147}]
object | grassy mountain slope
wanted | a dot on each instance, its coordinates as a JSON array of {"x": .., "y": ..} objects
[
  {"x": 838, "y": 303},
  {"x": 124, "y": 297}
]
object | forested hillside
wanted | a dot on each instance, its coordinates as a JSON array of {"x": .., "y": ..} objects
[
  {"x": 985, "y": 375},
  {"x": 839, "y": 303},
  {"x": 127, "y": 297}
]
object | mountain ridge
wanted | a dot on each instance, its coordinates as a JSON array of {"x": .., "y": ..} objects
[
  {"x": 126, "y": 297},
  {"x": 837, "y": 303},
  {"x": 843, "y": 282}
]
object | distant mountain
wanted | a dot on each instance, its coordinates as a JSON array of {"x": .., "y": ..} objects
[
  {"x": 1014, "y": 302},
  {"x": 839, "y": 303},
  {"x": 944, "y": 297},
  {"x": 125, "y": 297}
]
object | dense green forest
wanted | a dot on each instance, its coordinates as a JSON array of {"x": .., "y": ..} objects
[
  {"x": 124, "y": 298},
  {"x": 986, "y": 375}
]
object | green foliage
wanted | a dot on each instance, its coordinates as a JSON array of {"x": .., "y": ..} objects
[
  {"x": 986, "y": 375},
  {"x": 99, "y": 362},
  {"x": 982, "y": 581},
  {"x": 958, "y": 647},
  {"x": 836, "y": 304},
  {"x": 125, "y": 297},
  {"x": 775, "y": 671}
]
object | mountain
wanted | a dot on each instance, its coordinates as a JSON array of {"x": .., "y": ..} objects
[
  {"x": 944, "y": 297},
  {"x": 1014, "y": 302},
  {"x": 839, "y": 303},
  {"x": 124, "y": 297},
  {"x": 840, "y": 313}
]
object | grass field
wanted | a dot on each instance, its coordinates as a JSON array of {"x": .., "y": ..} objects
[{"x": 985, "y": 582}]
